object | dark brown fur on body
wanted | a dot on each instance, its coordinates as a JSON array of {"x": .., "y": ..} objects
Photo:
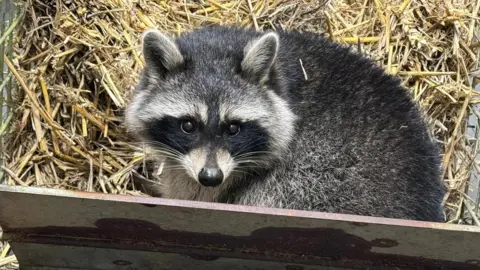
[{"x": 358, "y": 143}]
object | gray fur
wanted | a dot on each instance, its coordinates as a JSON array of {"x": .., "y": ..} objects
[
  {"x": 347, "y": 140},
  {"x": 157, "y": 46},
  {"x": 259, "y": 57}
]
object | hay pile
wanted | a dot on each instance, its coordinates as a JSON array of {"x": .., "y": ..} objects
[{"x": 76, "y": 62}]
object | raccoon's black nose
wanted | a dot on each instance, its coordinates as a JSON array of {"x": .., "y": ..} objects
[{"x": 210, "y": 177}]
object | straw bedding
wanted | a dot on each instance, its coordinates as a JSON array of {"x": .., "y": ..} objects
[{"x": 76, "y": 62}]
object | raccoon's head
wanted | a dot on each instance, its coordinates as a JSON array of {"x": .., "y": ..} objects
[{"x": 209, "y": 105}]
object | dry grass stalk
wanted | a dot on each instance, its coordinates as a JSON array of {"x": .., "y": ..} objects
[
  {"x": 76, "y": 62},
  {"x": 7, "y": 261}
]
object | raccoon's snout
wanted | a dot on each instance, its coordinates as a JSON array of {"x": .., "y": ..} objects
[{"x": 210, "y": 177}]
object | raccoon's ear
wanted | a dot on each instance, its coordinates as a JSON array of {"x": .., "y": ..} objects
[
  {"x": 259, "y": 56},
  {"x": 160, "y": 52}
]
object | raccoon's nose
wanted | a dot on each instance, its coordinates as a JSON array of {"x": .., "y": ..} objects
[{"x": 210, "y": 177}]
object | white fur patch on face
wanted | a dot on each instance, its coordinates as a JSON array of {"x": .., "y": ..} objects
[
  {"x": 132, "y": 122},
  {"x": 282, "y": 128},
  {"x": 202, "y": 109},
  {"x": 174, "y": 107},
  {"x": 194, "y": 161},
  {"x": 242, "y": 112},
  {"x": 225, "y": 162}
]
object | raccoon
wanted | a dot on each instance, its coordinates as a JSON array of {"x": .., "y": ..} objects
[{"x": 282, "y": 119}]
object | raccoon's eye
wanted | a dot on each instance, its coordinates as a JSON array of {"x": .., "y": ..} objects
[
  {"x": 188, "y": 126},
  {"x": 233, "y": 129}
]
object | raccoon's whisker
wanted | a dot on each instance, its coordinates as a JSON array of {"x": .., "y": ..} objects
[
  {"x": 169, "y": 151},
  {"x": 164, "y": 154},
  {"x": 249, "y": 168},
  {"x": 248, "y": 145},
  {"x": 250, "y": 158},
  {"x": 168, "y": 157},
  {"x": 253, "y": 153},
  {"x": 258, "y": 163},
  {"x": 175, "y": 169},
  {"x": 243, "y": 173},
  {"x": 166, "y": 150},
  {"x": 172, "y": 167},
  {"x": 255, "y": 162},
  {"x": 183, "y": 149},
  {"x": 158, "y": 144},
  {"x": 174, "y": 159},
  {"x": 240, "y": 170},
  {"x": 252, "y": 170}
]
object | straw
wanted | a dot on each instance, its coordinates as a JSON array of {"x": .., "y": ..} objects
[{"x": 8, "y": 22}]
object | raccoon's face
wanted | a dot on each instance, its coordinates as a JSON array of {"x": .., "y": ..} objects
[{"x": 211, "y": 116}]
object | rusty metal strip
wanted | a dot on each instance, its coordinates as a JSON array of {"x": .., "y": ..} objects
[{"x": 62, "y": 226}]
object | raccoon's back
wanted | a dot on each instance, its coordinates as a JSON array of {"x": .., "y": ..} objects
[{"x": 362, "y": 146}]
